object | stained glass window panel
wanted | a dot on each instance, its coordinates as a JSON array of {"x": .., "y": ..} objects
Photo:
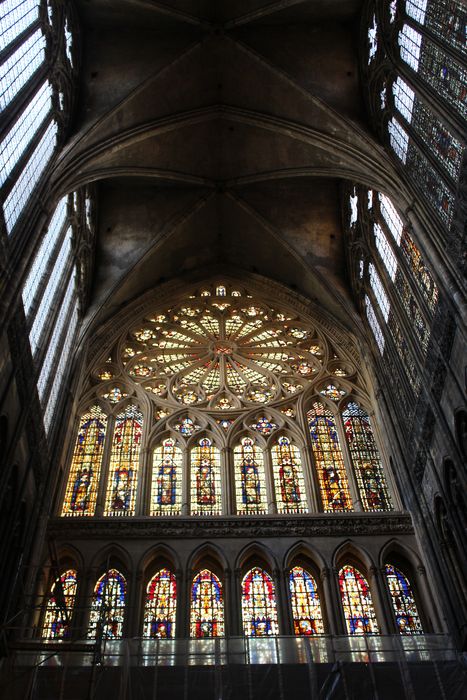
[
  {"x": 403, "y": 602},
  {"x": 206, "y": 497},
  {"x": 250, "y": 485},
  {"x": 288, "y": 477},
  {"x": 328, "y": 459},
  {"x": 259, "y": 611},
  {"x": 16, "y": 70},
  {"x": 60, "y": 606},
  {"x": 357, "y": 603},
  {"x": 16, "y": 16},
  {"x": 447, "y": 77},
  {"x": 419, "y": 270},
  {"x": 108, "y": 607},
  {"x": 161, "y": 606},
  {"x": 124, "y": 463},
  {"x": 83, "y": 480},
  {"x": 306, "y": 606},
  {"x": 374, "y": 325},
  {"x": 206, "y": 606},
  {"x": 365, "y": 459},
  {"x": 166, "y": 487}
]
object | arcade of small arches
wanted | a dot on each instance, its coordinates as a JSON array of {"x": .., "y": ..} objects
[
  {"x": 225, "y": 405},
  {"x": 255, "y": 598}
]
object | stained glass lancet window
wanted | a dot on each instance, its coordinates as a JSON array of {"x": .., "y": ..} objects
[
  {"x": 124, "y": 463},
  {"x": 250, "y": 486},
  {"x": 259, "y": 611},
  {"x": 206, "y": 497},
  {"x": 288, "y": 477},
  {"x": 60, "y": 607},
  {"x": 306, "y": 606},
  {"x": 206, "y": 606},
  {"x": 403, "y": 602},
  {"x": 365, "y": 458},
  {"x": 166, "y": 488},
  {"x": 83, "y": 480},
  {"x": 328, "y": 458},
  {"x": 161, "y": 606},
  {"x": 357, "y": 603},
  {"x": 108, "y": 607}
]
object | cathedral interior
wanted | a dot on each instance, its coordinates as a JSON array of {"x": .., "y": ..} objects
[{"x": 233, "y": 421}]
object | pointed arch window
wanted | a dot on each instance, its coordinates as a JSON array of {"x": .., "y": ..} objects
[
  {"x": 108, "y": 606},
  {"x": 306, "y": 606},
  {"x": 60, "y": 606},
  {"x": 206, "y": 606},
  {"x": 206, "y": 497},
  {"x": 403, "y": 601},
  {"x": 124, "y": 463},
  {"x": 166, "y": 486},
  {"x": 83, "y": 480},
  {"x": 259, "y": 610},
  {"x": 365, "y": 458},
  {"x": 357, "y": 603},
  {"x": 288, "y": 477},
  {"x": 250, "y": 484},
  {"x": 161, "y": 606},
  {"x": 329, "y": 460}
]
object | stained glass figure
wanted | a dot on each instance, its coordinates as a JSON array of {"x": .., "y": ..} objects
[
  {"x": 264, "y": 426},
  {"x": 357, "y": 603},
  {"x": 403, "y": 602},
  {"x": 205, "y": 479},
  {"x": 206, "y": 606},
  {"x": 365, "y": 459},
  {"x": 259, "y": 611},
  {"x": 306, "y": 606},
  {"x": 161, "y": 606},
  {"x": 83, "y": 480},
  {"x": 124, "y": 463},
  {"x": 329, "y": 460},
  {"x": 250, "y": 486},
  {"x": 60, "y": 606},
  {"x": 166, "y": 486},
  {"x": 187, "y": 427},
  {"x": 108, "y": 607},
  {"x": 288, "y": 477}
]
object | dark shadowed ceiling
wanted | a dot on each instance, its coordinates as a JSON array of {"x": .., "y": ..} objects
[{"x": 220, "y": 133}]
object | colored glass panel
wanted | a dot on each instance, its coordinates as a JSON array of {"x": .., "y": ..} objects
[
  {"x": 306, "y": 606},
  {"x": 374, "y": 325},
  {"x": 419, "y": 270},
  {"x": 250, "y": 486},
  {"x": 83, "y": 480},
  {"x": 365, "y": 459},
  {"x": 356, "y": 599},
  {"x": 259, "y": 604},
  {"x": 205, "y": 479},
  {"x": 264, "y": 426},
  {"x": 403, "y": 602},
  {"x": 108, "y": 607},
  {"x": 206, "y": 606},
  {"x": 288, "y": 477},
  {"x": 445, "y": 75},
  {"x": 124, "y": 463},
  {"x": 166, "y": 487},
  {"x": 329, "y": 460},
  {"x": 60, "y": 607},
  {"x": 161, "y": 606}
]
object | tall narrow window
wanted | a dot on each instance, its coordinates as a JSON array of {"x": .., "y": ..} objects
[
  {"x": 83, "y": 480},
  {"x": 250, "y": 487},
  {"x": 259, "y": 604},
  {"x": 161, "y": 606},
  {"x": 206, "y": 497},
  {"x": 60, "y": 606},
  {"x": 357, "y": 603},
  {"x": 166, "y": 487},
  {"x": 288, "y": 477},
  {"x": 403, "y": 601},
  {"x": 108, "y": 607},
  {"x": 206, "y": 606},
  {"x": 124, "y": 463},
  {"x": 16, "y": 70},
  {"x": 328, "y": 458},
  {"x": 365, "y": 458},
  {"x": 306, "y": 606}
]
